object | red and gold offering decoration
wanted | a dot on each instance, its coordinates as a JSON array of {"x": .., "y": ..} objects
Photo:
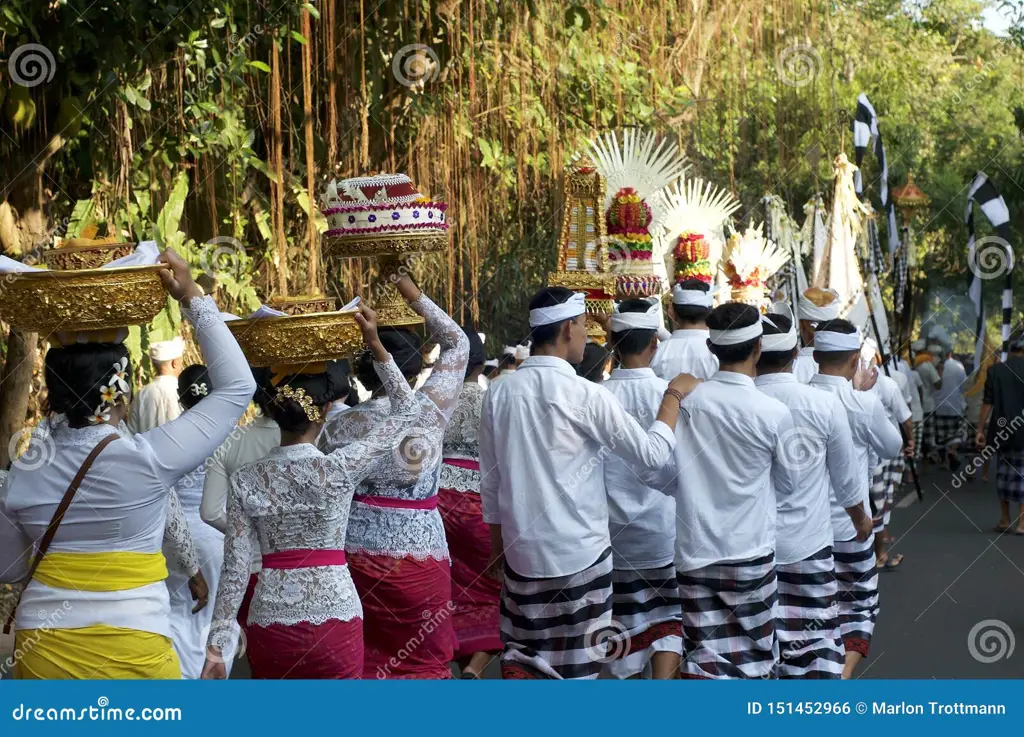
[
  {"x": 750, "y": 260},
  {"x": 386, "y": 216},
  {"x": 691, "y": 254},
  {"x": 582, "y": 258},
  {"x": 630, "y": 245}
]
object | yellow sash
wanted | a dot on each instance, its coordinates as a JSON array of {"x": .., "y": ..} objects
[{"x": 101, "y": 571}]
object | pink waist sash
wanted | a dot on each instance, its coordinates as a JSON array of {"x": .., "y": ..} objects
[
  {"x": 289, "y": 559},
  {"x": 463, "y": 463},
  {"x": 392, "y": 503}
]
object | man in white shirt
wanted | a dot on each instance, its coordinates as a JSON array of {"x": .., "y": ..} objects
[
  {"x": 245, "y": 445},
  {"x": 950, "y": 404},
  {"x": 157, "y": 402},
  {"x": 686, "y": 350},
  {"x": 506, "y": 366},
  {"x": 730, "y": 472},
  {"x": 837, "y": 353},
  {"x": 543, "y": 493},
  {"x": 821, "y": 446},
  {"x": 815, "y": 305},
  {"x": 641, "y": 520},
  {"x": 887, "y": 475},
  {"x": 930, "y": 382}
]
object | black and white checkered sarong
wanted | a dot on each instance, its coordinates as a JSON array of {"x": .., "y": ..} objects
[
  {"x": 918, "y": 426},
  {"x": 949, "y": 431},
  {"x": 647, "y": 613},
  {"x": 878, "y": 493},
  {"x": 807, "y": 619},
  {"x": 1010, "y": 477},
  {"x": 728, "y": 620},
  {"x": 557, "y": 627},
  {"x": 893, "y": 481},
  {"x": 858, "y": 592}
]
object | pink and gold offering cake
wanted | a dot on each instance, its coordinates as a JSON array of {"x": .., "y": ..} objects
[
  {"x": 630, "y": 246},
  {"x": 377, "y": 205}
]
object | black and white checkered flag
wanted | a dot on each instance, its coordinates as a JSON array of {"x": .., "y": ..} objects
[
  {"x": 989, "y": 258},
  {"x": 865, "y": 126}
]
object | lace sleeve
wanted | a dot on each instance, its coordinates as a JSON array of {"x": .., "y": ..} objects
[
  {"x": 178, "y": 536},
  {"x": 403, "y": 398},
  {"x": 202, "y": 312},
  {"x": 234, "y": 573},
  {"x": 450, "y": 369}
]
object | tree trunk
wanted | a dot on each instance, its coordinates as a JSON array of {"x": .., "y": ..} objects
[{"x": 15, "y": 385}]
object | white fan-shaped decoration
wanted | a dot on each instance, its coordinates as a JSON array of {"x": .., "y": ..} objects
[
  {"x": 752, "y": 255},
  {"x": 638, "y": 159}
]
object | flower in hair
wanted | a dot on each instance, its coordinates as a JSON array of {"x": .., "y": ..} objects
[
  {"x": 116, "y": 387},
  {"x": 199, "y": 390},
  {"x": 301, "y": 398}
]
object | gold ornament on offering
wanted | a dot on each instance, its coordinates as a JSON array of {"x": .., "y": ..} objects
[
  {"x": 81, "y": 253},
  {"x": 307, "y": 304},
  {"x": 582, "y": 252},
  {"x": 89, "y": 299},
  {"x": 298, "y": 339}
]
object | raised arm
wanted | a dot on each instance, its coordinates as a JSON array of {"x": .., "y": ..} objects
[
  {"x": 213, "y": 509},
  {"x": 445, "y": 381},
  {"x": 234, "y": 576},
  {"x": 178, "y": 536},
  {"x": 609, "y": 424},
  {"x": 182, "y": 444}
]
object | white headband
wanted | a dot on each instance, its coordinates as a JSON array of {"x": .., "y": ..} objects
[
  {"x": 522, "y": 352},
  {"x": 807, "y": 310},
  {"x": 779, "y": 341},
  {"x": 827, "y": 341},
  {"x": 696, "y": 297},
  {"x": 575, "y": 306},
  {"x": 738, "y": 335},
  {"x": 650, "y": 320},
  {"x": 509, "y": 350},
  {"x": 491, "y": 363}
]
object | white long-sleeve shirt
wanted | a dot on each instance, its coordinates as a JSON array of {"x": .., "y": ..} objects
[
  {"x": 122, "y": 503},
  {"x": 641, "y": 520},
  {"x": 821, "y": 445},
  {"x": 686, "y": 352},
  {"x": 872, "y": 433},
  {"x": 543, "y": 436},
  {"x": 156, "y": 404},
  {"x": 804, "y": 365},
  {"x": 730, "y": 472}
]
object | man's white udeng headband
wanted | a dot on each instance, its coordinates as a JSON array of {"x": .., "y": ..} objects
[
  {"x": 827, "y": 341},
  {"x": 738, "y": 335},
  {"x": 695, "y": 297},
  {"x": 575, "y": 306},
  {"x": 807, "y": 310},
  {"x": 650, "y": 320},
  {"x": 781, "y": 341}
]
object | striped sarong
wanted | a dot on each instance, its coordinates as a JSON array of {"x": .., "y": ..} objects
[
  {"x": 557, "y": 627},
  {"x": 728, "y": 620},
  {"x": 647, "y": 613},
  {"x": 858, "y": 592},
  {"x": 893, "y": 481},
  {"x": 949, "y": 431},
  {"x": 877, "y": 492},
  {"x": 918, "y": 426},
  {"x": 807, "y": 619},
  {"x": 1010, "y": 477}
]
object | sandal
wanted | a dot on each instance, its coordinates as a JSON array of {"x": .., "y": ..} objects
[
  {"x": 1000, "y": 528},
  {"x": 891, "y": 563}
]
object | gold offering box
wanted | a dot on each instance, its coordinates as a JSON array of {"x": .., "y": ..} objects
[
  {"x": 308, "y": 338},
  {"x": 304, "y": 305},
  {"x": 92, "y": 256},
  {"x": 385, "y": 244},
  {"x": 88, "y": 299}
]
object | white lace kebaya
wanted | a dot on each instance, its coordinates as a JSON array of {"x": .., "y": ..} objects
[
  {"x": 461, "y": 441},
  {"x": 410, "y": 475},
  {"x": 298, "y": 499}
]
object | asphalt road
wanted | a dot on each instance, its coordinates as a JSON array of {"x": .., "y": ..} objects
[{"x": 955, "y": 607}]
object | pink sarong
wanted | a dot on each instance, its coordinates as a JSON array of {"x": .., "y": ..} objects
[
  {"x": 408, "y": 612},
  {"x": 330, "y": 650},
  {"x": 476, "y": 595}
]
